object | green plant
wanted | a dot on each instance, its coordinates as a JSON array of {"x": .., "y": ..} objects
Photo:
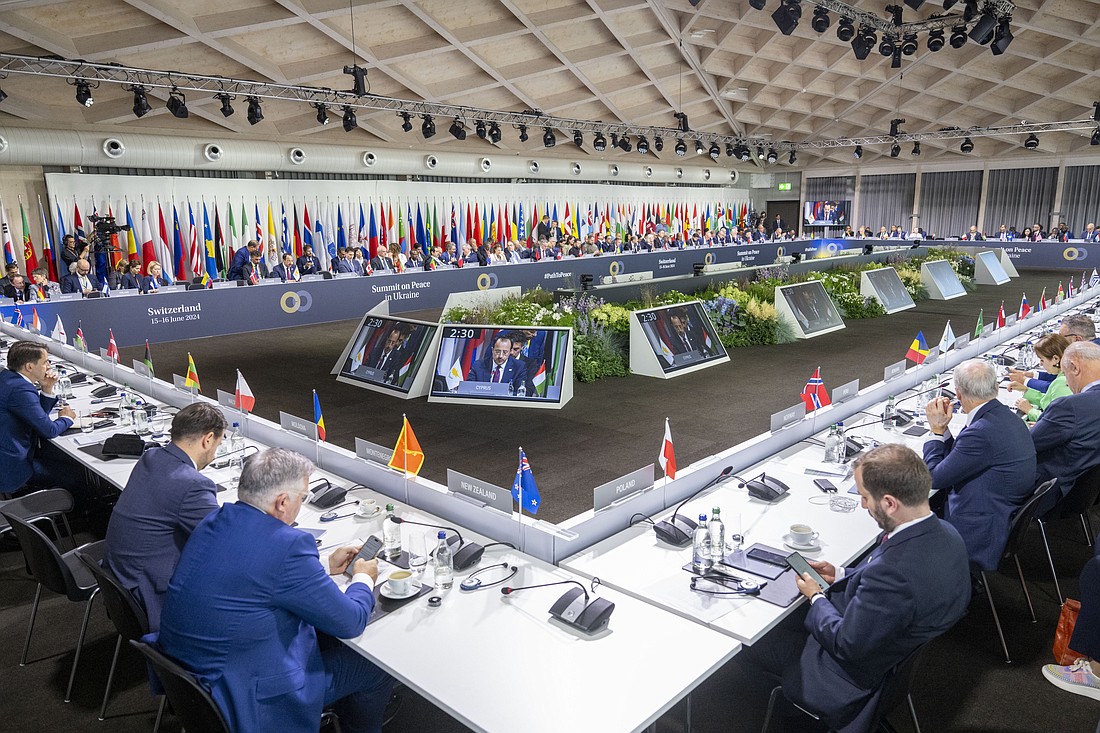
[
  {"x": 854, "y": 305},
  {"x": 598, "y": 354}
]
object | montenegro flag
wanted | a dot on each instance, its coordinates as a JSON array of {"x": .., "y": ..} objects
[
  {"x": 918, "y": 350},
  {"x": 407, "y": 455}
]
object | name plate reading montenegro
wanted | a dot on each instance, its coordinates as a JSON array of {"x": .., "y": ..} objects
[
  {"x": 790, "y": 416},
  {"x": 622, "y": 487},
  {"x": 480, "y": 491},
  {"x": 369, "y": 451},
  {"x": 299, "y": 425}
]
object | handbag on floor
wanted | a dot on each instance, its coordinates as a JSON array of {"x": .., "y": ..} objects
[{"x": 1066, "y": 621}]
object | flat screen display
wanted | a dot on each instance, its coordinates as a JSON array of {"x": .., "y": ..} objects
[
  {"x": 811, "y": 306},
  {"x": 680, "y": 335},
  {"x": 827, "y": 213},
  {"x": 387, "y": 352},
  {"x": 993, "y": 264},
  {"x": 506, "y": 363},
  {"x": 890, "y": 289},
  {"x": 946, "y": 279}
]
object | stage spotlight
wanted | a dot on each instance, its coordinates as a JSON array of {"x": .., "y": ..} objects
[
  {"x": 578, "y": 138},
  {"x": 970, "y": 11},
  {"x": 792, "y": 158},
  {"x": 494, "y": 133},
  {"x": 658, "y": 144},
  {"x": 322, "y": 112},
  {"x": 982, "y": 32},
  {"x": 787, "y": 15},
  {"x": 350, "y": 123},
  {"x": 772, "y": 156},
  {"x": 759, "y": 152},
  {"x": 845, "y": 30},
  {"x": 958, "y": 36},
  {"x": 936, "y": 40},
  {"x": 1095, "y": 137},
  {"x": 406, "y": 124},
  {"x": 255, "y": 113},
  {"x": 1002, "y": 37},
  {"x": 141, "y": 102},
  {"x": 916, "y": 148},
  {"x": 895, "y": 126},
  {"x": 599, "y": 143},
  {"x": 895, "y": 150},
  {"x": 698, "y": 147},
  {"x": 744, "y": 154},
  {"x": 858, "y": 152},
  {"x": 479, "y": 129},
  {"x": 226, "y": 99},
  {"x": 909, "y": 44},
  {"x": 548, "y": 139},
  {"x": 821, "y": 20},
  {"x": 643, "y": 145},
  {"x": 84, "y": 92},
  {"x": 714, "y": 152},
  {"x": 427, "y": 128},
  {"x": 177, "y": 104},
  {"x": 624, "y": 144},
  {"x": 614, "y": 139},
  {"x": 863, "y": 43},
  {"x": 895, "y": 14},
  {"x": 729, "y": 150},
  {"x": 682, "y": 120},
  {"x": 681, "y": 147},
  {"x": 886, "y": 48},
  {"x": 457, "y": 130},
  {"x": 1032, "y": 142},
  {"x": 967, "y": 146},
  {"x": 523, "y": 136}
]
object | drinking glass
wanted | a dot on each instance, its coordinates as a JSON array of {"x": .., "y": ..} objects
[
  {"x": 418, "y": 552},
  {"x": 86, "y": 421}
]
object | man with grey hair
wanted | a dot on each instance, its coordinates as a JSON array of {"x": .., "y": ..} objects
[
  {"x": 987, "y": 470},
  {"x": 1075, "y": 328},
  {"x": 1067, "y": 434},
  {"x": 254, "y": 615}
]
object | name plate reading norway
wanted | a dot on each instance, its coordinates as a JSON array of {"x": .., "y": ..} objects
[
  {"x": 622, "y": 487},
  {"x": 893, "y": 371},
  {"x": 791, "y": 415},
  {"x": 369, "y": 451},
  {"x": 298, "y": 425},
  {"x": 481, "y": 491}
]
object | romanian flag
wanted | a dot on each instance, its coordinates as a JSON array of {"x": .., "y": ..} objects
[
  {"x": 918, "y": 350},
  {"x": 318, "y": 417},
  {"x": 112, "y": 347},
  {"x": 192, "y": 379},
  {"x": 148, "y": 358},
  {"x": 407, "y": 455}
]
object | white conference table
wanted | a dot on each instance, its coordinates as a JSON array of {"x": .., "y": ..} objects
[{"x": 477, "y": 653}]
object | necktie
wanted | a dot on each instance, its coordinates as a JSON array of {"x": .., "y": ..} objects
[
  {"x": 496, "y": 374},
  {"x": 687, "y": 344}
]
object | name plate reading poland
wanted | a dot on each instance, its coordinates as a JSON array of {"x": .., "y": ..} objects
[
  {"x": 298, "y": 425},
  {"x": 369, "y": 451},
  {"x": 481, "y": 491},
  {"x": 622, "y": 487},
  {"x": 791, "y": 415}
]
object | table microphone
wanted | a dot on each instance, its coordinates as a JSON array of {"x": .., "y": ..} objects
[
  {"x": 677, "y": 530},
  {"x": 223, "y": 460},
  {"x": 573, "y": 608},
  {"x": 466, "y": 556}
]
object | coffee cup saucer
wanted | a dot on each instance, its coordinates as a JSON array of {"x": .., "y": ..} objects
[
  {"x": 812, "y": 546},
  {"x": 387, "y": 590}
]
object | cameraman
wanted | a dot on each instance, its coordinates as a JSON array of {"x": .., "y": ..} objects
[{"x": 70, "y": 252}]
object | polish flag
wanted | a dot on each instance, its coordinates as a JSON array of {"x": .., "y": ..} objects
[
  {"x": 667, "y": 458},
  {"x": 243, "y": 399}
]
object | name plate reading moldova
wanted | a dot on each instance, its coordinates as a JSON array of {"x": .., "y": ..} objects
[
  {"x": 480, "y": 491},
  {"x": 618, "y": 489},
  {"x": 298, "y": 425}
]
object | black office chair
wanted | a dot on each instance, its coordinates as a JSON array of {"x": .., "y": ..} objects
[
  {"x": 195, "y": 707},
  {"x": 63, "y": 574},
  {"x": 48, "y": 504},
  {"x": 130, "y": 619},
  {"x": 1021, "y": 521},
  {"x": 895, "y": 690},
  {"x": 1085, "y": 492}
]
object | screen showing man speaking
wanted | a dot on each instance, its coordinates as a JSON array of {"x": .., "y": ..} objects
[
  {"x": 501, "y": 363},
  {"x": 680, "y": 335},
  {"x": 386, "y": 352}
]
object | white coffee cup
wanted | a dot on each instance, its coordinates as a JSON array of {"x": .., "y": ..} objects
[
  {"x": 802, "y": 534},
  {"x": 399, "y": 582},
  {"x": 368, "y": 508}
]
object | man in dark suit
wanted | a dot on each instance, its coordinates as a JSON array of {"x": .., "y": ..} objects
[
  {"x": 542, "y": 231},
  {"x": 241, "y": 258},
  {"x": 1091, "y": 234},
  {"x": 165, "y": 499},
  {"x": 387, "y": 356},
  {"x": 17, "y": 289},
  {"x": 778, "y": 225},
  {"x": 501, "y": 367},
  {"x": 1067, "y": 434},
  {"x": 686, "y": 334},
  {"x": 1075, "y": 328},
  {"x": 255, "y": 270},
  {"x": 988, "y": 469},
  {"x": 286, "y": 270},
  {"x": 308, "y": 263},
  {"x": 383, "y": 262},
  {"x": 255, "y": 616},
  {"x": 79, "y": 281},
  {"x": 912, "y": 588},
  {"x": 26, "y": 398}
]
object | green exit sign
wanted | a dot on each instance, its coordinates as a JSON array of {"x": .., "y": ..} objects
[{"x": 784, "y": 187}]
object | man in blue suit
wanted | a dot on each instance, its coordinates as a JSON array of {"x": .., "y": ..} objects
[
  {"x": 253, "y": 614},
  {"x": 1067, "y": 434},
  {"x": 25, "y": 414},
  {"x": 501, "y": 366},
  {"x": 912, "y": 588},
  {"x": 79, "y": 281},
  {"x": 309, "y": 263},
  {"x": 240, "y": 259},
  {"x": 165, "y": 499},
  {"x": 988, "y": 469}
]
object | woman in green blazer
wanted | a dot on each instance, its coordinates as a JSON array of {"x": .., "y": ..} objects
[{"x": 1049, "y": 350}]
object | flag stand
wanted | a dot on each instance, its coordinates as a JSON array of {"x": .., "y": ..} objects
[
  {"x": 522, "y": 529},
  {"x": 405, "y": 456}
]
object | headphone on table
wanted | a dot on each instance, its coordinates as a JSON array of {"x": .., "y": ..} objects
[{"x": 472, "y": 582}]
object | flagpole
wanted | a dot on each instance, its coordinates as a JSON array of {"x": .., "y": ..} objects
[
  {"x": 405, "y": 453},
  {"x": 522, "y": 530}
]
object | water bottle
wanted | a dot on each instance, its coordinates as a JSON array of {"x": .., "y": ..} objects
[
  {"x": 391, "y": 535},
  {"x": 701, "y": 560},
  {"x": 522, "y": 391},
  {"x": 65, "y": 386},
  {"x": 841, "y": 443},
  {"x": 141, "y": 417},
  {"x": 889, "y": 415},
  {"x": 717, "y": 530},
  {"x": 125, "y": 407},
  {"x": 236, "y": 442},
  {"x": 831, "y": 443},
  {"x": 443, "y": 563}
]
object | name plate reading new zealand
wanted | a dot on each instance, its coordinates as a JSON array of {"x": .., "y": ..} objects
[
  {"x": 845, "y": 391},
  {"x": 1011, "y": 320},
  {"x": 893, "y": 371},
  {"x": 369, "y": 451},
  {"x": 141, "y": 369},
  {"x": 790, "y": 416},
  {"x": 299, "y": 425},
  {"x": 480, "y": 491},
  {"x": 615, "y": 491},
  {"x": 961, "y": 342},
  {"x": 227, "y": 399}
]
